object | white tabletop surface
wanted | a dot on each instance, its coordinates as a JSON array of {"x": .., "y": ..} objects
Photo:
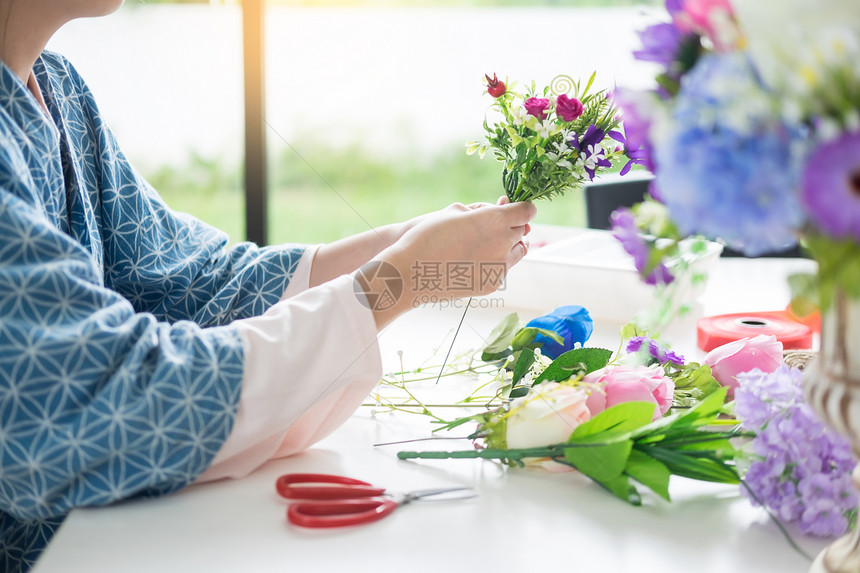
[{"x": 522, "y": 519}]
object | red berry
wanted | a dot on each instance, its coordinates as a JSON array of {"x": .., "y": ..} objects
[{"x": 495, "y": 87}]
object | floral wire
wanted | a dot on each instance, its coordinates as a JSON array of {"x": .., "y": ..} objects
[
  {"x": 432, "y": 438},
  {"x": 778, "y": 523},
  {"x": 453, "y": 340}
]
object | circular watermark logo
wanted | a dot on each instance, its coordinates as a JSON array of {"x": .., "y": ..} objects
[{"x": 378, "y": 285}]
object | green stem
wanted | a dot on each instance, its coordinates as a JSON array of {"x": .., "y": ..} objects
[
  {"x": 778, "y": 523},
  {"x": 497, "y": 454}
]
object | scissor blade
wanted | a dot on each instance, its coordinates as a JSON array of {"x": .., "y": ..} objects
[{"x": 440, "y": 494}]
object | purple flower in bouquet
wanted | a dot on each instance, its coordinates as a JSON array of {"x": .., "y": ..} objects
[
  {"x": 636, "y": 112},
  {"x": 634, "y": 156},
  {"x": 591, "y": 153},
  {"x": 729, "y": 171},
  {"x": 831, "y": 186},
  {"x": 592, "y": 138},
  {"x": 625, "y": 230},
  {"x": 802, "y": 469},
  {"x": 655, "y": 351}
]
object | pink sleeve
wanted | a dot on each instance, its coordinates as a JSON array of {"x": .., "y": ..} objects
[{"x": 310, "y": 360}]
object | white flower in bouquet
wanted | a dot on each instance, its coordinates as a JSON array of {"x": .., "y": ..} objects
[{"x": 548, "y": 414}]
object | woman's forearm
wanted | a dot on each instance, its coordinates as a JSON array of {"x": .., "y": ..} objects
[{"x": 348, "y": 254}]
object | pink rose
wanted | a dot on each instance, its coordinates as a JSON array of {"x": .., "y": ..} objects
[
  {"x": 548, "y": 414},
  {"x": 727, "y": 361},
  {"x": 568, "y": 109},
  {"x": 630, "y": 384},
  {"x": 536, "y": 106}
]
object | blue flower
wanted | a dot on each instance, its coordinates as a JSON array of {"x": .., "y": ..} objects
[
  {"x": 572, "y": 323},
  {"x": 728, "y": 167}
]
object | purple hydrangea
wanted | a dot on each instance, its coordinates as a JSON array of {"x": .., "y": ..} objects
[
  {"x": 801, "y": 468},
  {"x": 625, "y": 230},
  {"x": 657, "y": 353},
  {"x": 728, "y": 170},
  {"x": 831, "y": 186}
]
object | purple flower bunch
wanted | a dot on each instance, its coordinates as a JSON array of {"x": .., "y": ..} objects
[
  {"x": 801, "y": 469},
  {"x": 657, "y": 354}
]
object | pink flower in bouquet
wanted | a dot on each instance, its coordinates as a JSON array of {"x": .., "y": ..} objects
[
  {"x": 536, "y": 106},
  {"x": 547, "y": 415},
  {"x": 568, "y": 109},
  {"x": 764, "y": 352},
  {"x": 621, "y": 384}
]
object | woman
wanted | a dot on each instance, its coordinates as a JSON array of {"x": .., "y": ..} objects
[{"x": 137, "y": 353}]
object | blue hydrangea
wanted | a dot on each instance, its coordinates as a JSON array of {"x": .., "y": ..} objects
[{"x": 727, "y": 166}]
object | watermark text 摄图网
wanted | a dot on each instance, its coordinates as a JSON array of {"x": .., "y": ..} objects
[{"x": 379, "y": 285}]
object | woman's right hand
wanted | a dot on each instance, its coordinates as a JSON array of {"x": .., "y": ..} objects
[{"x": 481, "y": 239}]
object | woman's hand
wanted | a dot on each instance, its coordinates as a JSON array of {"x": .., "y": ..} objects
[
  {"x": 484, "y": 239},
  {"x": 348, "y": 254}
]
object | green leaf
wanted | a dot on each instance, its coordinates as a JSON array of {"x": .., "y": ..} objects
[
  {"x": 562, "y": 367},
  {"x": 525, "y": 337},
  {"x": 838, "y": 267},
  {"x": 590, "y": 82},
  {"x": 601, "y": 462},
  {"x": 804, "y": 293},
  {"x": 618, "y": 419},
  {"x": 697, "y": 376},
  {"x": 700, "y": 468},
  {"x": 518, "y": 392},
  {"x": 649, "y": 472},
  {"x": 631, "y": 330},
  {"x": 621, "y": 487},
  {"x": 501, "y": 337},
  {"x": 525, "y": 361}
]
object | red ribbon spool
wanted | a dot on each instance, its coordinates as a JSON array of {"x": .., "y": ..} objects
[{"x": 714, "y": 331}]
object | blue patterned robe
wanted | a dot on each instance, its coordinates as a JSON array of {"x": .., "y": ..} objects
[{"x": 119, "y": 372}]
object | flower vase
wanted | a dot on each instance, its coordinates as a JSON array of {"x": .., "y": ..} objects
[{"x": 832, "y": 387}]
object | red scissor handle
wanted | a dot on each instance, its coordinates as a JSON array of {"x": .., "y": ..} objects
[
  {"x": 339, "y": 513},
  {"x": 345, "y": 488}
]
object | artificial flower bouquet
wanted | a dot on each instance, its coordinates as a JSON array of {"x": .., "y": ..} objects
[
  {"x": 633, "y": 418},
  {"x": 756, "y": 154},
  {"x": 550, "y": 140}
]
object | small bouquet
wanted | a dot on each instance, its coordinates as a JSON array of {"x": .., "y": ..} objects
[{"x": 550, "y": 140}]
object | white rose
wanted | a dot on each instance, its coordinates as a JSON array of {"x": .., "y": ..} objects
[{"x": 548, "y": 414}]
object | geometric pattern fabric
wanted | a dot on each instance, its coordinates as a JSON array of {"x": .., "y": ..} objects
[{"x": 119, "y": 371}]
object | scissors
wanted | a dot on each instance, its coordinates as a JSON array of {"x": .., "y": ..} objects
[{"x": 348, "y": 501}]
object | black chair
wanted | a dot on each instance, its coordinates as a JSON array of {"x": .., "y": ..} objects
[{"x": 602, "y": 198}]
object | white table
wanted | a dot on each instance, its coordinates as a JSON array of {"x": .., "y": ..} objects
[{"x": 522, "y": 520}]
